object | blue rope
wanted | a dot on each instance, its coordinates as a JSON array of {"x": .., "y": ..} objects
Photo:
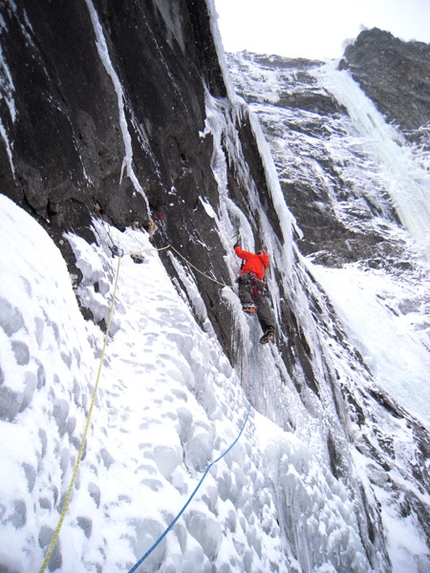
[{"x": 172, "y": 524}]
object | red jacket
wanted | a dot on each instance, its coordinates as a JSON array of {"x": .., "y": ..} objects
[{"x": 256, "y": 264}]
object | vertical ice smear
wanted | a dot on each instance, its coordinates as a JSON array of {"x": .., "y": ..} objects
[
  {"x": 104, "y": 56},
  {"x": 409, "y": 183},
  {"x": 230, "y": 216},
  {"x": 221, "y": 119},
  {"x": 220, "y": 124},
  {"x": 286, "y": 218},
  {"x": 7, "y": 90},
  {"x": 172, "y": 17},
  {"x": 220, "y": 50},
  {"x": 8, "y": 146},
  {"x": 6, "y": 86}
]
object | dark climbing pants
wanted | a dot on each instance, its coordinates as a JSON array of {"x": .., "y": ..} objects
[{"x": 253, "y": 291}]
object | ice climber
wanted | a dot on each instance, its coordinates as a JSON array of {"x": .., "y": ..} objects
[{"x": 253, "y": 289}]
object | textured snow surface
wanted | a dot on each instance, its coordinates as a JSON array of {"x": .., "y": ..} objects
[
  {"x": 167, "y": 405},
  {"x": 323, "y": 478}
]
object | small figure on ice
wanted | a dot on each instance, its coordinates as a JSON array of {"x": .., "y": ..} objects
[{"x": 253, "y": 288}]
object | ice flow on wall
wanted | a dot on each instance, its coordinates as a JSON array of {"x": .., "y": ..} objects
[
  {"x": 318, "y": 151},
  {"x": 407, "y": 182},
  {"x": 300, "y": 494}
]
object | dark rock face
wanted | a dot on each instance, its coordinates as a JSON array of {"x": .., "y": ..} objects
[
  {"x": 65, "y": 131},
  {"x": 62, "y": 154},
  {"x": 394, "y": 74},
  {"x": 67, "y": 146}
]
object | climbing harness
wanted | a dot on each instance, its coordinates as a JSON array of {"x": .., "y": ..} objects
[
  {"x": 116, "y": 252},
  {"x": 174, "y": 521}
]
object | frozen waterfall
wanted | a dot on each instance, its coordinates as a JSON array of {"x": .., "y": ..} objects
[{"x": 408, "y": 181}]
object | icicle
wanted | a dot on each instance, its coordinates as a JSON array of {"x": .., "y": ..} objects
[
  {"x": 231, "y": 95},
  {"x": 103, "y": 51}
]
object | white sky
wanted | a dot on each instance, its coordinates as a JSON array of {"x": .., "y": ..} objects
[{"x": 316, "y": 28}]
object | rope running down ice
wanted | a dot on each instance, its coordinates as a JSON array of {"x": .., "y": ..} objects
[
  {"x": 174, "y": 521},
  {"x": 84, "y": 437},
  {"x": 93, "y": 398}
]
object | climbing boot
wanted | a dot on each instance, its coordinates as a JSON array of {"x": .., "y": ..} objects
[
  {"x": 250, "y": 308},
  {"x": 268, "y": 336}
]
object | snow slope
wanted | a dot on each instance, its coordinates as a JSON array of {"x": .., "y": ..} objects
[
  {"x": 329, "y": 474},
  {"x": 168, "y": 404}
]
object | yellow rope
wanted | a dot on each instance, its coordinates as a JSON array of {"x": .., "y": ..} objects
[
  {"x": 84, "y": 437},
  {"x": 149, "y": 249},
  {"x": 196, "y": 269},
  {"x": 93, "y": 398},
  {"x": 182, "y": 257}
]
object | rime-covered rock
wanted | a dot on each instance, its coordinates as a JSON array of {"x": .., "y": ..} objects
[{"x": 394, "y": 74}]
